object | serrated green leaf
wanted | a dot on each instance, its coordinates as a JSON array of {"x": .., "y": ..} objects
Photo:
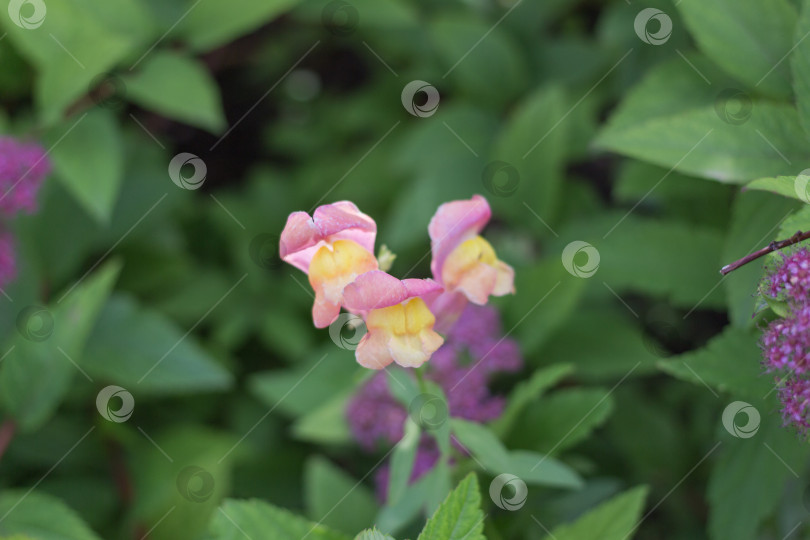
[
  {"x": 459, "y": 516},
  {"x": 373, "y": 534},
  {"x": 37, "y": 515},
  {"x": 178, "y": 87},
  {"x": 88, "y": 158},
  {"x": 758, "y": 31},
  {"x": 258, "y": 519},
  {"x": 671, "y": 119},
  {"x": 615, "y": 519},
  {"x": 731, "y": 362}
]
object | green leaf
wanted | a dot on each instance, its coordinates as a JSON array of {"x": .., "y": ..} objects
[
  {"x": 674, "y": 119},
  {"x": 748, "y": 38},
  {"x": 562, "y": 419},
  {"x": 531, "y": 467},
  {"x": 211, "y": 24},
  {"x": 402, "y": 461},
  {"x": 748, "y": 479},
  {"x": 373, "y": 534},
  {"x": 326, "y": 424},
  {"x": 394, "y": 517},
  {"x": 616, "y": 346},
  {"x": 532, "y": 145},
  {"x": 258, "y": 519},
  {"x": 459, "y": 516},
  {"x": 180, "y": 475},
  {"x": 88, "y": 158},
  {"x": 178, "y": 87},
  {"x": 135, "y": 347},
  {"x": 800, "y": 66},
  {"x": 685, "y": 273},
  {"x": 729, "y": 363},
  {"x": 781, "y": 185},
  {"x": 335, "y": 499},
  {"x": 470, "y": 64},
  {"x": 615, "y": 519},
  {"x": 41, "y": 516},
  {"x": 36, "y": 375},
  {"x": 77, "y": 41},
  {"x": 755, "y": 222},
  {"x": 527, "y": 392}
]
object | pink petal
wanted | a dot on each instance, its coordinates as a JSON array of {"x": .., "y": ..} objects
[
  {"x": 303, "y": 235},
  {"x": 378, "y": 289},
  {"x": 374, "y": 290},
  {"x": 299, "y": 234},
  {"x": 324, "y": 312},
  {"x": 453, "y": 223},
  {"x": 343, "y": 220},
  {"x": 447, "y": 308}
]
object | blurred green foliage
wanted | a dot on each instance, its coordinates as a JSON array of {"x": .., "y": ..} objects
[{"x": 575, "y": 124}]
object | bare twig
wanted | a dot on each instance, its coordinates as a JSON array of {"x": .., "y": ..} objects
[{"x": 770, "y": 248}]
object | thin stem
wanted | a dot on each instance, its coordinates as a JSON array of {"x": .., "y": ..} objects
[{"x": 770, "y": 248}]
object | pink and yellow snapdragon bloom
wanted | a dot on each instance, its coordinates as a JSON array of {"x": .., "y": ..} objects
[{"x": 335, "y": 247}]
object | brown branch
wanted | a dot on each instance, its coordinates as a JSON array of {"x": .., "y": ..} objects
[
  {"x": 6, "y": 434},
  {"x": 770, "y": 248}
]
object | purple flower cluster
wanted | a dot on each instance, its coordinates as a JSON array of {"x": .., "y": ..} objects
[
  {"x": 474, "y": 351},
  {"x": 786, "y": 341},
  {"x": 23, "y": 167}
]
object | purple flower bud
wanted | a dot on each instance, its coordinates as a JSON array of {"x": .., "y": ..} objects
[{"x": 795, "y": 397}]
